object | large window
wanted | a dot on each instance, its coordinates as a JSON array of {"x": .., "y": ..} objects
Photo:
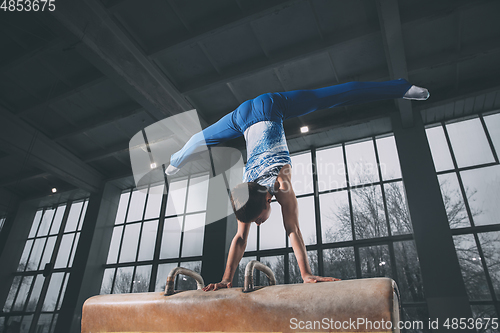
[
  {"x": 465, "y": 155},
  {"x": 155, "y": 230},
  {"x": 39, "y": 284},
  {"x": 353, "y": 217}
]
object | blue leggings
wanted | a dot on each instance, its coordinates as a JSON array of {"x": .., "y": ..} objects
[{"x": 284, "y": 105}]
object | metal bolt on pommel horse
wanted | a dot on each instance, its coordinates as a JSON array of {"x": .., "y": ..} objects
[{"x": 340, "y": 306}]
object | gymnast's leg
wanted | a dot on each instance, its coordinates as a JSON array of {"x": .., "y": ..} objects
[{"x": 300, "y": 102}]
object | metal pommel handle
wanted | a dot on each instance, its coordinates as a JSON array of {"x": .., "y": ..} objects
[
  {"x": 169, "y": 289},
  {"x": 249, "y": 283}
]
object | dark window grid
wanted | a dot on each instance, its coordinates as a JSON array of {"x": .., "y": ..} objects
[
  {"x": 317, "y": 213},
  {"x": 154, "y": 262},
  {"x": 488, "y": 137},
  {"x": 38, "y": 273},
  {"x": 82, "y": 216},
  {"x": 133, "y": 263},
  {"x": 354, "y": 243},
  {"x": 159, "y": 235},
  {"x": 388, "y": 224},
  {"x": 28, "y": 296},
  {"x": 467, "y": 206}
]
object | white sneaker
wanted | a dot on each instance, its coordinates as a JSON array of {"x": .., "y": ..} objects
[
  {"x": 417, "y": 93},
  {"x": 171, "y": 170}
]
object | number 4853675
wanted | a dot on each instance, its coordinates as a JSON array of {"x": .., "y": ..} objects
[{"x": 28, "y": 5}]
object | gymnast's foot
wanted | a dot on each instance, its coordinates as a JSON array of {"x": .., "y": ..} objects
[
  {"x": 417, "y": 93},
  {"x": 171, "y": 170}
]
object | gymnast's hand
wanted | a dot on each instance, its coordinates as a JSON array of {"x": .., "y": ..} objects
[
  {"x": 217, "y": 286},
  {"x": 314, "y": 279}
]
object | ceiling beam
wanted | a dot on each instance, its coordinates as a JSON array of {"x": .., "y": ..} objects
[
  {"x": 299, "y": 52},
  {"x": 19, "y": 138},
  {"x": 392, "y": 36},
  {"x": 110, "y": 116},
  {"x": 105, "y": 45},
  {"x": 232, "y": 22},
  {"x": 86, "y": 83},
  {"x": 25, "y": 177}
]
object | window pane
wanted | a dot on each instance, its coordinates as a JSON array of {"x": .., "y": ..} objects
[
  {"x": 302, "y": 173},
  {"x": 130, "y": 242},
  {"x": 161, "y": 279},
  {"x": 46, "y": 222},
  {"x": 154, "y": 202},
  {"x": 252, "y": 238},
  {"x": 82, "y": 216},
  {"x": 185, "y": 282},
  {"x": 197, "y": 195},
  {"x": 361, "y": 163},
  {"x": 277, "y": 265},
  {"x": 375, "y": 261},
  {"x": 64, "y": 251},
  {"x": 47, "y": 254},
  {"x": 307, "y": 219},
  {"x": 36, "y": 223},
  {"x": 469, "y": 143},
  {"x": 122, "y": 208},
  {"x": 107, "y": 281},
  {"x": 484, "y": 312},
  {"x": 73, "y": 250},
  {"x": 239, "y": 276},
  {"x": 12, "y": 294},
  {"x": 439, "y": 148},
  {"x": 453, "y": 201},
  {"x": 335, "y": 217},
  {"x": 36, "y": 254},
  {"x": 74, "y": 216},
  {"x": 136, "y": 208},
  {"x": 272, "y": 233},
  {"x": 194, "y": 226},
  {"x": 171, "y": 240},
  {"x": 331, "y": 169},
  {"x": 397, "y": 208},
  {"x": 339, "y": 263},
  {"x": 176, "y": 198},
  {"x": 388, "y": 158},
  {"x": 471, "y": 266},
  {"x": 294, "y": 275},
  {"x": 57, "y": 220},
  {"x": 115, "y": 245},
  {"x": 493, "y": 125},
  {"x": 23, "y": 293},
  {"x": 490, "y": 244},
  {"x": 65, "y": 284},
  {"x": 123, "y": 280},
  {"x": 35, "y": 293},
  {"x": 43, "y": 324},
  {"x": 53, "y": 292},
  {"x": 141, "y": 279},
  {"x": 148, "y": 240},
  {"x": 412, "y": 314},
  {"x": 408, "y": 268},
  {"x": 483, "y": 194},
  {"x": 24, "y": 257},
  {"x": 368, "y": 212}
]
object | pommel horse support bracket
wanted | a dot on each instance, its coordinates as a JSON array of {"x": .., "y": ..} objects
[{"x": 274, "y": 308}]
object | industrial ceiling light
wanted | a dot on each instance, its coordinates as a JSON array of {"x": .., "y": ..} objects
[
  {"x": 54, "y": 190},
  {"x": 304, "y": 129},
  {"x": 153, "y": 165}
]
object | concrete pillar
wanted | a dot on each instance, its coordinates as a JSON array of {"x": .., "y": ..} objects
[
  {"x": 443, "y": 284},
  {"x": 18, "y": 226},
  {"x": 90, "y": 257}
]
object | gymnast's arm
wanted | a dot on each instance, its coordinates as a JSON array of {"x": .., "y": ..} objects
[
  {"x": 289, "y": 209},
  {"x": 221, "y": 131}
]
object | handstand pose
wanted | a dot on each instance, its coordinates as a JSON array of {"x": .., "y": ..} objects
[{"x": 268, "y": 169}]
